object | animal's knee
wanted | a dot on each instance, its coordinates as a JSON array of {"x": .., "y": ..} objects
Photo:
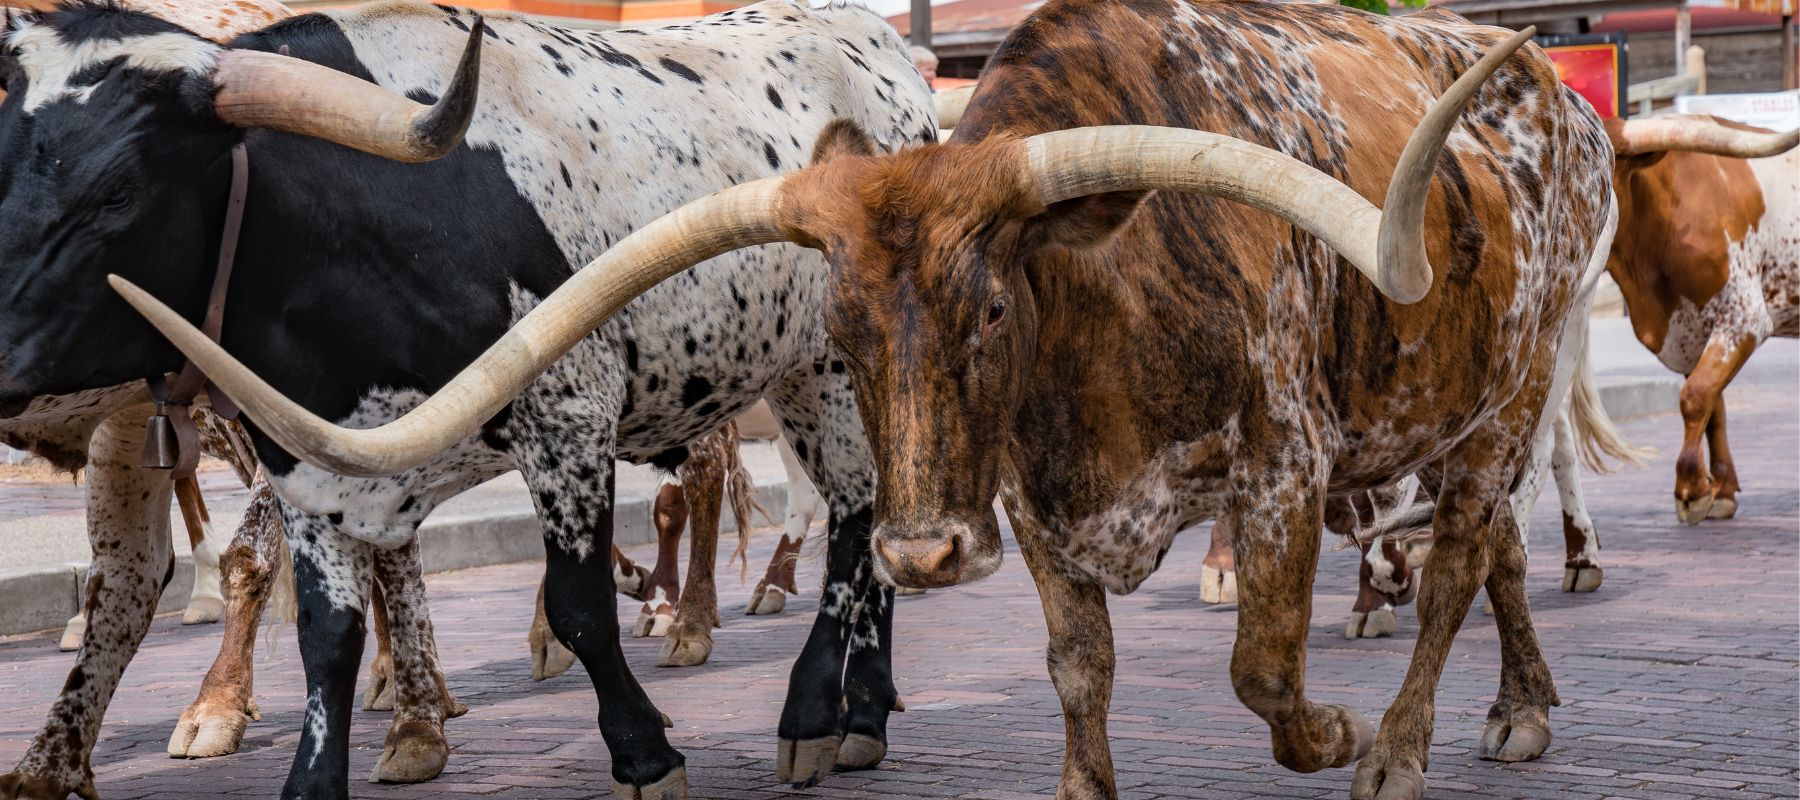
[
  {"x": 1697, "y": 401},
  {"x": 1268, "y": 692},
  {"x": 245, "y": 565},
  {"x": 1082, "y": 674},
  {"x": 576, "y": 613}
]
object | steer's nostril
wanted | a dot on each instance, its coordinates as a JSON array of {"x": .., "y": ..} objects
[
  {"x": 921, "y": 562},
  {"x": 941, "y": 558}
]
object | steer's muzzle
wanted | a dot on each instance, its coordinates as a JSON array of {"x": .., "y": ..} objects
[{"x": 935, "y": 555}]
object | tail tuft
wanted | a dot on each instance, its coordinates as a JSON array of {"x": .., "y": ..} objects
[
  {"x": 1595, "y": 436},
  {"x": 741, "y": 491}
]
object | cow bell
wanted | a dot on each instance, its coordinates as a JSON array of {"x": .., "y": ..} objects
[
  {"x": 161, "y": 447},
  {"x": 170, "y": 444}
]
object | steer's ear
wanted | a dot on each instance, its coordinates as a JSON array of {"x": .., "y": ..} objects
[
  {"x": 842, "y": 138},
  {"x": 1083, "y": 222}
]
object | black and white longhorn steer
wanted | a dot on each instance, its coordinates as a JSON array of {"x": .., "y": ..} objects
[{"x": 363, "y": 284}]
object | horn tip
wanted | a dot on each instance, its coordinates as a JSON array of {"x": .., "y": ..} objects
[{"x": 122, "y": 285}]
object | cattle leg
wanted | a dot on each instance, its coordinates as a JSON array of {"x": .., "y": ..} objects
[
  {"x": 1518, "y": 727},
  {"x": 213, "y": 725},
  {"x": 842, "y": 683},
  {"x": 689, "y": 641},
  {"x": 663, "y": 590},
  {"x": 632, "y": 579},
  {"x": 1080, "y": 657},
  {"x": 128, "y": 526},
  {"x": 1473, "y": 496},
  {"x": 1276, "y": 536},
  {"x": 333, "y": 575},
  {"x": 379, "y": 694},
  {"x": 549, "y": 658},
  {"x": 206, "y": 603},
  {"x": 575, "y": 503},
  {"x": 1724, "y": 472},
  {"x": 416, "y": 749},
  {"x": 869, "y": 692},
  {"x": 1581, "y": 542},
  {"x": 812, "y": 725},
  {"x": 1701, "y": 396},
  {"x": 778, "y": 582},
  {"x": 1218, "y": 572},
  {"x": 1384, "y": 580}
]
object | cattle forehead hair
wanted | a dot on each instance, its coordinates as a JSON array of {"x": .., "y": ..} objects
[
  {"x": 52, "y": 60},
  {"x": 963, "y": 181}
]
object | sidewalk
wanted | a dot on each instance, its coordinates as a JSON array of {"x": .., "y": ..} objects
[{"x": 44, "y": 548}]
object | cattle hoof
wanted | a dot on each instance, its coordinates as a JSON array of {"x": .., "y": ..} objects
[
  {"x": 73, "y": 633},
  {"x": 1582, "y": 579},
  {"x": 673, "y": 786},
  {"x": 207, "y": 731},
  {"x": 549, "y": 659},
  {"x": 1487, "y": 608},
  {"x": 415, "y": 752},
  {"x": 685, "y": 647},
  {"x": 653, "y": 624},
  {"x": 636, "y": 585},
  {"x": 859, "y": 752},
  {"x": 909, "y": 591},
  {"x": 804, "y": 764},
  {"x": 1695, "y": 511},
  {"x": 1387, "y": 779},
  {"x": 202, "y": 610},
  {"x": 1723, "y": 508},
  {"x": 766, "y": 600},
  {"x": 1218, "y": 586},
  {"x": 380, "y": 694},
  {"x": 1512, "y": 736},
  {"x": 1375, "y": 624},
  {"x": 19, "y": 786}
]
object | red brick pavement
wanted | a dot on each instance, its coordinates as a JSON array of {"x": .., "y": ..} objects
[{"x": 1679, "y": 678}]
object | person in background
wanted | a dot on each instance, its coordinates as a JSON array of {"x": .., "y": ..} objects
[{"x": 926, "y": 62}]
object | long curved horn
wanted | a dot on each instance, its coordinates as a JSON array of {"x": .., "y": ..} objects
[
  {"x": 738, "y": 217},
  {"x": 1066, "y": 163},
  {"x": 1637, "y": 137},
  {"x": 1387, "y": 247},
  {"x": 266, "y": 90},
  {"x": 950, "y": 104}
]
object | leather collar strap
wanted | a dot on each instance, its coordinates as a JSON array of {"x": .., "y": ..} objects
[{"x": 173, "y": 442}]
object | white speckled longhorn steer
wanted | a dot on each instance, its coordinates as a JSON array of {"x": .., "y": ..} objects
[{"x": 363, "y": 283}]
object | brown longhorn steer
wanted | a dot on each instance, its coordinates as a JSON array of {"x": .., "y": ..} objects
[
  {"x": 1708, "y": 260},
  {"x": 1025, "y": 315}
]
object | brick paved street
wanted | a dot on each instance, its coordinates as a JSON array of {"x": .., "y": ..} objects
[{"x": 1679, "y": 678}]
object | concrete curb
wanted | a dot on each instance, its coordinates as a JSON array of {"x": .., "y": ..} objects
[
  {"x": 1625, "y": 398},
  {"x": 45, "y": 596}
]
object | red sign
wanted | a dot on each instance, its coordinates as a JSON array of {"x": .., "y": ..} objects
[{"x": 1592, "y": 70}]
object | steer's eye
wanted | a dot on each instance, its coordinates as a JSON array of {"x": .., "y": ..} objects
[
  {"x": 996, "y": 312},
  {"x": 116, "y": 202}
]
